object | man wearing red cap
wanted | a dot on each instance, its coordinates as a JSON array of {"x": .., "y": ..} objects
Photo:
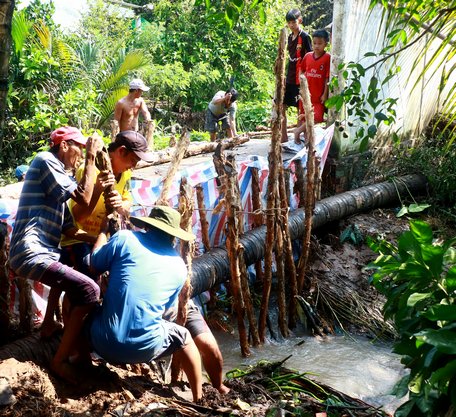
[
  {"x": 127, "y": 108},
  {"x": 42, "y": 216}
]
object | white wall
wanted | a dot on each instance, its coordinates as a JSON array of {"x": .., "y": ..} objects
[{"x": 362, "y": 30}]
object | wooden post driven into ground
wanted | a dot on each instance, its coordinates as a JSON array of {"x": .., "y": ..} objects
[
  {"x": 275, "y": 159},
  {"x": 150, "y": 129},
  {"x": 4, "y": 283},
  {"x": 310, "y": 192},
  {"x": 179, "y": 153},
  {"x": 203, "y": 220}
]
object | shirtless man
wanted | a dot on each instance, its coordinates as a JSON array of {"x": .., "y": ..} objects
[{"x": 127, "y": 108}]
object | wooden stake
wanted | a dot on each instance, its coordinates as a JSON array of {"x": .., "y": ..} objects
[
  {"x": 203, "y": 220},
  {"x": 258, "y": 219},
  {"x": 116, "y": 221},
  {"x": 310, "y": 194},
  {"x": 114, "y": 129},
  {"x": 300, "y": 182},
  {"x": 282, "y": 305},
  {"x": 179, "y": 153},
  {"x": 274, "y": 161},
  {"x": 150, "y": 129},
  {"x": 232, "y": 246},
  {"x": 4, "y": 283}
]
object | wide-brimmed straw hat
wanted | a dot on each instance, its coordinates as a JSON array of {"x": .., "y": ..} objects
[{"x": 166, "y": 219}]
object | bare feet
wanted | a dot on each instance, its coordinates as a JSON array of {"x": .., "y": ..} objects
[
  {"x": 223, "y": 389},
  {"x": 66, "y": 371},
  {"x": 48, "y": 329}
]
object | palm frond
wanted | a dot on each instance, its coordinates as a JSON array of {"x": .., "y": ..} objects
[
  {"x": 20, "y": 30},
  {"x": 44, "y": 36},
  {"x": 66, "y": 55},
  {"x": 133, "y": 61},
  {"x": 108, "y": 104}
]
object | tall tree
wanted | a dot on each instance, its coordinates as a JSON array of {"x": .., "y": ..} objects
[{"x": 6, "y": 16}]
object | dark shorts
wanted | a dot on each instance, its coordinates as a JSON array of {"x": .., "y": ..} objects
[
  {"x": 291, "y": 95},
  {"x": 79, "y": 288},
  {"x": 212, "y": 120},
  {"x": 195, "y": 321},
  {"x": 76, "y": 255},
  {"x": 176, "y": 340}
]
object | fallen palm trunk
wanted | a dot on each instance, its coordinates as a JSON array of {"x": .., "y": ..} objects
[
  {"x": 166, "y": 155},
  {"x": 212, "y": 268}
]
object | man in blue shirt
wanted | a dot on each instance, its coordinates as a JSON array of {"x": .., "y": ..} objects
[{"x": 146, "y": 275}]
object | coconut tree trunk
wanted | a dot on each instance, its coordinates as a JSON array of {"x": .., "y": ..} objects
[
  {"x": 212, "y": 268},
  {"x": 6, "y": 16}
]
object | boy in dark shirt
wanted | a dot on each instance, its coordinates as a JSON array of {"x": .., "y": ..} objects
[{"x": 299, "y": 43}]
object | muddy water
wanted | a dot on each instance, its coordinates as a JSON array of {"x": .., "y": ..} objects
[{"x": 354, "y": 366}]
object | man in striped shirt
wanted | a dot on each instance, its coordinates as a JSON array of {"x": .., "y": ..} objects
[{"x": 42, "y": 217}]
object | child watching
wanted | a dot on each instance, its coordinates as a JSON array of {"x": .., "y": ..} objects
[
  {"x": 299, "y": 44},
  {"x": 315, "y": 66}
]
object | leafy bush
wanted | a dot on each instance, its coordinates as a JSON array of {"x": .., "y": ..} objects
[
  {"x": 196, "y": 136},
  {"x": 418, "y": 278},
  {"x": 249, "y": 115}
]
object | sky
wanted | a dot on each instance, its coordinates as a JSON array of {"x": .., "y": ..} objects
[{"x": 67, "y": 12}]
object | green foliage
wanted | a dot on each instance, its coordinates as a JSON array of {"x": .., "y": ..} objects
[
  {"x": 434, "y": 155},
  {"x": 418, "y": 278},
  {"x": 196, "y": 136},
  {"x": 250, "y": 115}
]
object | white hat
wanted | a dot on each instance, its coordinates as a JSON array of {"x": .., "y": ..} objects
[{"x": 138, "y": 84}]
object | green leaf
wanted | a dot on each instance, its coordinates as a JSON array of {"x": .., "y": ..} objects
[
  {"x": 443, "y": 340},
  {"x": 446, "y": 373},
  {"x": 416, "y": 297},
  {"x": 364, "y": 144},
  {"x": 402, "y": 211},
  {"x": 380, "y": 116},
  {"x": 441, "y": 312},
  {"x": 372, "y": 131},
  {"x": 417, "y": 208},
  {"x": 422, "y": 231}
]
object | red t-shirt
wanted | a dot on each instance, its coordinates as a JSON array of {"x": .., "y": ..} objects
[{"x": 316, "y": 71}]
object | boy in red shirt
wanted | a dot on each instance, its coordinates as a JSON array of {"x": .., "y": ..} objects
[{"x": 315, "y": 66}]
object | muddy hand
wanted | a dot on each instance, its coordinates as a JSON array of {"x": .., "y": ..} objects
[
  {"x": 105, "y": 179},
  {"x": 94, "y": 144}
]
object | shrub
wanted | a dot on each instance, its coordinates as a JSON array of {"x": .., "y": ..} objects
[{"x": 418, "y": 278}]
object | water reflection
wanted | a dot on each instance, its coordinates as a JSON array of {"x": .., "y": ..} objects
[{"x": 355, "y": 366}]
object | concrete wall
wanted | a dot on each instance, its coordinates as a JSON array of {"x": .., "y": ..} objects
[{"x": 362, "y": 30}]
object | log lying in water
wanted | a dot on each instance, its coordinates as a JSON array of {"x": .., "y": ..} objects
[{"x": 213, "y": 267}]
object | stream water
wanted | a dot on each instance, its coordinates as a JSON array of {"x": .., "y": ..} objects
[{"x": 353, "y": 365}]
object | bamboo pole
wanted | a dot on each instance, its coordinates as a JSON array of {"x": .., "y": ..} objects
[
  {"x": 258, "y": 219},
  {"x": 203, "y": 219},
  {"x": 272, "y": 178},
  {"x": 310, "y": 193},
  {"x": 179, "y": 153}
]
